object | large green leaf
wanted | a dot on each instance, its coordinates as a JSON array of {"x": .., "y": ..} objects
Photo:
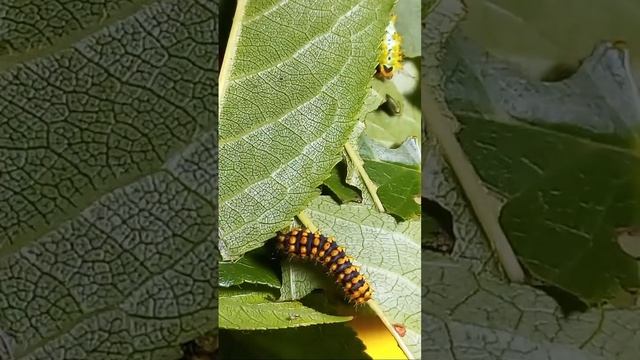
[
  {"x": 566, "y": 169},
  {"x": 293, "y": 83},
  {"x": 387, "y": 252},
  {"x": 107, "y": 155},
  {"x": 469, "y": 312}
]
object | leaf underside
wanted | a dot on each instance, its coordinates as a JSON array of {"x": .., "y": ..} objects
[
  {"x": 107, "y": 155},
  {"x": 469, "y": 308},
  {"x": 292, "y": 96}
]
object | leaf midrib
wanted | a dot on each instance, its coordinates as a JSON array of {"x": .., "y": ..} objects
[
  {"x": 308, "y": 42},
  {"x": 223, "y": 142}
]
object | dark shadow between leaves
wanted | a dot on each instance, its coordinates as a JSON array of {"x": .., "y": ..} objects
[
  {"x": 560, "y": 72},
  {"x": 568, "y": 302},
  {"x": 437, "y": 227}
]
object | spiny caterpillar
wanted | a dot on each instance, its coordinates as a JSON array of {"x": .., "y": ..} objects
[
  {"x": 390, "y": 57},
  {"x": 304, "y": 244}
]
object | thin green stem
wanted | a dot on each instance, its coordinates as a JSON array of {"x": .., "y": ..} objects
[
  {"x": 307, "y": 222},
  {"x": 359, "y": 165}
]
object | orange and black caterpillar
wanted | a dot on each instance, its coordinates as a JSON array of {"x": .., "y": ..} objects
[{"x": 304, "y": 244}]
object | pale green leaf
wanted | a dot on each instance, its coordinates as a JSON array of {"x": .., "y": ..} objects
[
  {"x": 407, "y": 24},
  {"x": 629, "y": 241},
  {"x": 440, "y": 19},
  {"x": 408, "y": 153},
  {"x": 439, "y": 185},
  {"x": 293, "y": 81},
  {"x": 396, "y": 120},
  {"x": 301, "y": 278},
  {"x": 388, "y": 253},
  {"x": 353, "y": 177}
]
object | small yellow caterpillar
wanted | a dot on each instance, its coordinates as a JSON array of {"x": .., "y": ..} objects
[{"x": 390, "y": 57}]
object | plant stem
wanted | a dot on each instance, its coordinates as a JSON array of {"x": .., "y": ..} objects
[
  {"x": 485, "y": 207},
  {"x": 359, "y": 165}
]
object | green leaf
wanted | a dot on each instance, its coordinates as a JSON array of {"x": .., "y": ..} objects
[
  {"x": 331, "y": 341},
  {"x": 572, "y": 171},
  {"x": 408, "y": 22},
  {"x": 253, "y": 268},
  {"x": 548, "y": 36},
  {"x": 407, "y": 154},
  {"x": 337, "y": 184},
  {"x": 255, "y": 310},
  {"x": 396, "y": 172},
  {"x": 353, "y": 177},
  {"x": 107, "y": 151},
  {"x": 469, "y": 313},
  {"x": 388, "y": 253},
  {"x": 293, "y": 83}
]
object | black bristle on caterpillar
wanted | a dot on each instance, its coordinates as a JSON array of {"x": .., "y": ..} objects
[{"x": 304, "y": 244}]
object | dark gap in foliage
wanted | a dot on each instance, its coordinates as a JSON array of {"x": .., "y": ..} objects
[
  {"x": 568, "y": 302},
  {"x": 560, "y": 72},
  {"x": 437, "y": 227},
  {"x": 227, "y": 12},
  {"x": 202, "y": 348}
]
